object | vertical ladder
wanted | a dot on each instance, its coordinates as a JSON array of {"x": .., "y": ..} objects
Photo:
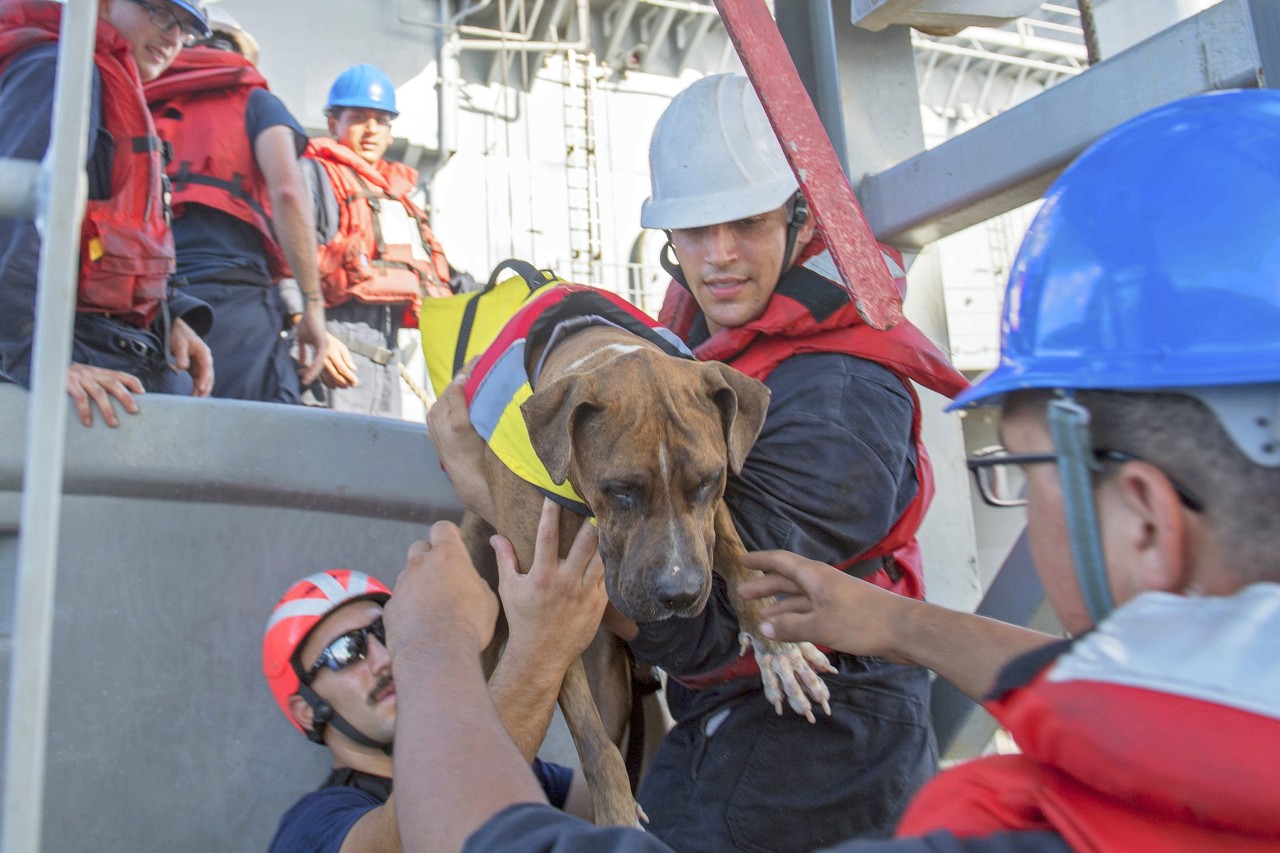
[{"x": 581, "y": 173}]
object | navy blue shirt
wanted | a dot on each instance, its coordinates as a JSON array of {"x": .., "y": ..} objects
[
  {"x": 321, "y": 820},
  {"x": 215, "y": 246},
  {"x": 534, "y": 828}
]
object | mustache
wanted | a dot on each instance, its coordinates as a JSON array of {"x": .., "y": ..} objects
[{"x": 383, "y": 682}]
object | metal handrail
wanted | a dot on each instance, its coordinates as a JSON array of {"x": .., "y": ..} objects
[{"x": 59, "y": 213}]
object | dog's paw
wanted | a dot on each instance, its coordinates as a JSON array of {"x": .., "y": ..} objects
[{"x": 791, "y": 670}]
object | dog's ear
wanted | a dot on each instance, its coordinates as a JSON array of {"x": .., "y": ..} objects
[
  {"x": 551, "y": 414},
  {"x": 743, "y": 403}
]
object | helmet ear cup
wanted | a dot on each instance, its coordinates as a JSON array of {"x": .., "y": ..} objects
[
  {"x": 321, "y": 714},
  {"x": 799, "y": 211}
]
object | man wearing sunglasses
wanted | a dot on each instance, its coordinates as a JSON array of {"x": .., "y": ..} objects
[
  {"x": 1139, "y": 382},
  {"x": 325, "y": 658},
  {"x": 133, "y": 333}
]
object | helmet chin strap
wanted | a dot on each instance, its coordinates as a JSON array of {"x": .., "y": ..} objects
[
  {"x": 670, "y": 263},
  {"x": 1069, "y": 426},
  {"x": 797, "y": 216},
  {"x": 325, "y": 715}
]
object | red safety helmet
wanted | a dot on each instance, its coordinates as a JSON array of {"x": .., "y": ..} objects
[{"x": 299, "y": 610}]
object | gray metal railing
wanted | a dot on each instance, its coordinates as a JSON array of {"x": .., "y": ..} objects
[{"x": 59, "y": 211}]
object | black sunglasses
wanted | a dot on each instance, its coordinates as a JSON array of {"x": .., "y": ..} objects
[
  {"x": 350, "y": 647},
  {"x": 1001, "y": 481}
]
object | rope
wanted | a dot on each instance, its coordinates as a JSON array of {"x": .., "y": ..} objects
[{"x": 1090, "y": 31}]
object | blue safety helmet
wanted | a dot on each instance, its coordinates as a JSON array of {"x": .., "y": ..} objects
[
  {"x": 1154, "y": 265},
  {"x": 1155, "y": 260},
  {"x": 365, "y": 86},
  {"x": 197, "y": 11}
]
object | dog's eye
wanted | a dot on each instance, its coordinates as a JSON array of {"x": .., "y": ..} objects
[
  {"x": 708, "y": 486},
  {"x": 624, "y": 496}
]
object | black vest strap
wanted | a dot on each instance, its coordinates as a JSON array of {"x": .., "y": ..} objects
[{"x": 377, "y": 786}]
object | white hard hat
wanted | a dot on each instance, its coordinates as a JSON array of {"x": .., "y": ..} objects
[
  {"x": 714, "y": 158},
  {"x": 221, "y": 22}
]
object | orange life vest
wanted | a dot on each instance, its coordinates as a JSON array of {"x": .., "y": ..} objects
[
  {"x": 199, "y": 105},
  {"x": 126, "y": 249},
  {"x": 356, "y": 263}
]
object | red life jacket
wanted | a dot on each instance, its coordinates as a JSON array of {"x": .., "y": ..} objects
[
  {"x": 1157, "y": 731},
  {"x": 356, "y": 263},
  {"x": 126, "y": 249},
  {"x": 809, "y": 313},
  {"x": 199, "y": 106}
]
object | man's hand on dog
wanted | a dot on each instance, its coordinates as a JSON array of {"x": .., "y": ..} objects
[
  {"x": 556, "y": 607},
  {"x": 440, "y": 597}
]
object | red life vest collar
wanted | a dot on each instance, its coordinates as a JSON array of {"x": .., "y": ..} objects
[
  {"x": 204, "y": 69},
  {"x": 1157, "y": 731},
  {"x": 395, "y": 179},
  {"x": 356, "y": 263},
  {"x": 805, "y": 306}
]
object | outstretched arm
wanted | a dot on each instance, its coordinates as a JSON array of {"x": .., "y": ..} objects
[{"x": 824, "y": 605}]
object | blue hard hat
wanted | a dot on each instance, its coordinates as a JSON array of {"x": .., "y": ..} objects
[
  {"x": 197, "y": 10},
  {"x": 1155, "y": 260},
  {"x": 366, "y": 86}
]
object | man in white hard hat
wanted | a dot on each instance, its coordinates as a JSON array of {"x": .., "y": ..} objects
[{"x": 838, "y": 474}]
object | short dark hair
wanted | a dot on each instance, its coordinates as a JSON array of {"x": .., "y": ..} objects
[{"x": 1182, "y": 436}]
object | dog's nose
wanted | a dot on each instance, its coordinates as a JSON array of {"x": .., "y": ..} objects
[{"x": 679, "y": 588}]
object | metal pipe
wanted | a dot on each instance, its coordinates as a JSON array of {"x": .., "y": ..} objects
[
  {"x": 518, "y": 47},
  {"x": 61, "y": 212},
  {"x": 446, "y": 86},
  {"x": 19, "y": 188},
  {"x": 1007, "y": 58}
]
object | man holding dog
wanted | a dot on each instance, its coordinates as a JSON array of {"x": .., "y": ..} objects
[
  {"x": 1144, "y": 431},
  {"x": 325, "y": 657},
  {"x": 755, "y": 293},
  {"x": 838, "y": 474}
]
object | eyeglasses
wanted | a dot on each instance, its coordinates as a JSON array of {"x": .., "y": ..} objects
[
  {"x": 350, "y": 647},
  {"x": 1002, "y": 482},
  {"x": 165, "y": 19}
]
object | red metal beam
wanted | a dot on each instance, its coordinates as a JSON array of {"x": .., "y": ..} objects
[{"x": 808, "y": 148}]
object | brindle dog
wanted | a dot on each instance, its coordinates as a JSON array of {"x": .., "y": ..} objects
[{"x": 647, "y": 440}]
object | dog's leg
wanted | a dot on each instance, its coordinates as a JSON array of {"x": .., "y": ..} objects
[
  {"x": 602, "y": 765},
  {"x": 787, "y": 669},
  {"x": 608, "y": 672}
]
